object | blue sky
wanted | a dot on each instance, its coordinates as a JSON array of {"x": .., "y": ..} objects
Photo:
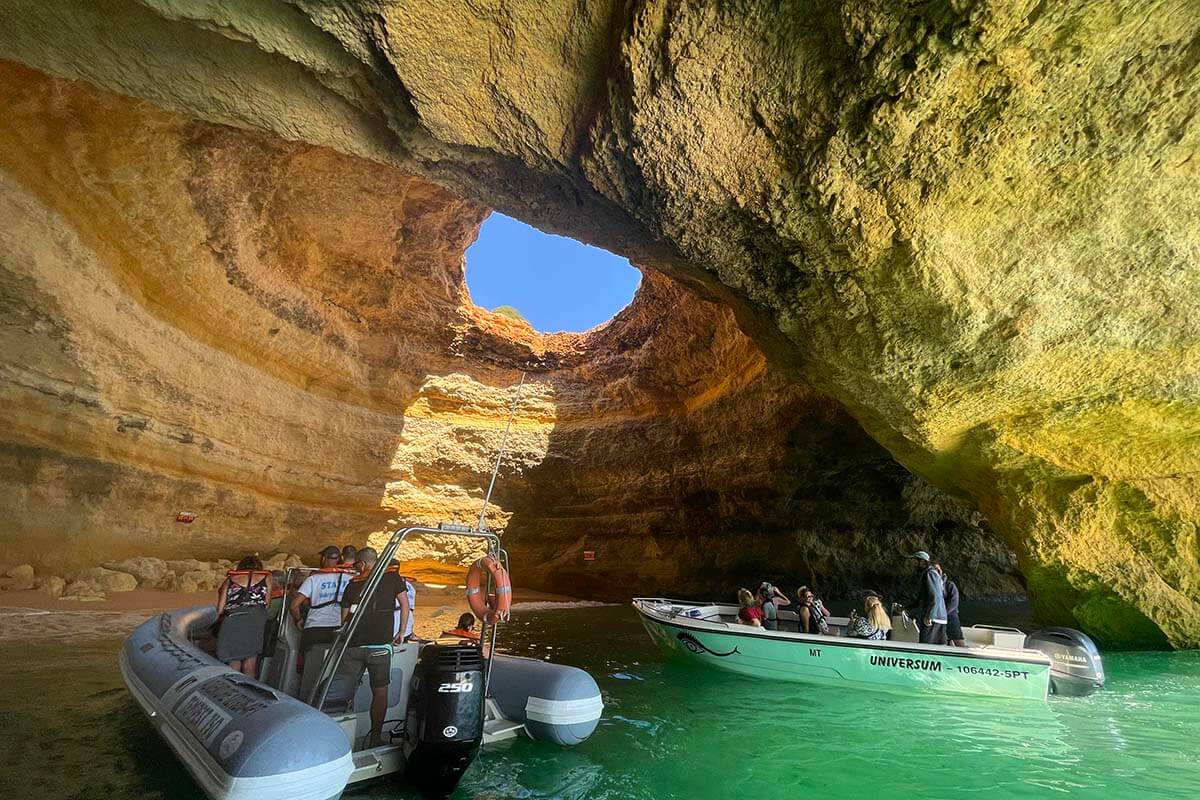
[{"x": 558, "y": 284}]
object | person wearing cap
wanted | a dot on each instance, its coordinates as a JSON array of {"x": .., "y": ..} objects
[
  {"x": 771, "y": 598},
  {"x": 954, "y": 631},
  {"x": 374, "y": 638},
  {"x": 323, "y": 590},
  {"x": 927, "y": 603}
]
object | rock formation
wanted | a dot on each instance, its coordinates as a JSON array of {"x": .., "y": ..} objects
[
  {"x": 971, "y": 224},
  {"x": 278, "y": 340}
]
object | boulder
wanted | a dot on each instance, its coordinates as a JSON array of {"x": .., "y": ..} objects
[
  {"x": 106, "y": 580},
  {"x": 293, "y": 560},
  {"x": 151, "y": 573},
  {"x": 277, "y": 561},
  {"x": 82, "y": 590},
  {"x": 197, "y": 580},
  {"x": 52, "y": 585},
  {"x": 18, "y": 579},
  {"x": 23, "y": 572},
  {"x": 186, "y": 565},
  {"x": 16, "y": 584}
]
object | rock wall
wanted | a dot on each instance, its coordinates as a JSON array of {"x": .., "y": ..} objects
[
  {"x": 970, "y": 223},
  {"x": 277, "y": 338}
]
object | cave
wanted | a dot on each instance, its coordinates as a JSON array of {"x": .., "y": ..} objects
[
  {"x": 233, "y": 287},
  {"x": 278, "y": 340}
]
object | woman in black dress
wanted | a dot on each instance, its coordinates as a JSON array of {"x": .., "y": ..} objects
[{"x": 242, "y": 614}]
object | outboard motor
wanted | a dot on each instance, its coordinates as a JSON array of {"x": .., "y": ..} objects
[
  {"x": 445, "y": 717},
  {"x": 1075, "y": 662}
]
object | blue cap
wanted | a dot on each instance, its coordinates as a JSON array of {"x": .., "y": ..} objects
[{"x": 922, "y": 555}]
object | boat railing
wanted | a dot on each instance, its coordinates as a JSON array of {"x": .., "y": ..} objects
[
  {"x": 676, "y": 612},
  {"x": 673, "y": 601},
  {"x": 1005, "y": 628},
  {"x": 337, "y": 651}
]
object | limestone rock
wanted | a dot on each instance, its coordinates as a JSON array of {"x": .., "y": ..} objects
[
  {"x": 151, "y": 573},
  {"x": 102, "y": 580},
  {"x": 16, "y": 584},
  {"x": 84, "y": 590},
  {"x": 198, "y": 580},
  {"x": 18, "y": 579},
  {"x": 21, "y": 572},
  {"x": 182, "y": 566},
  {"x": 277, "y": 561},
  {"x": 968, "y": 225},
  {"x": 52, "y": 585}
]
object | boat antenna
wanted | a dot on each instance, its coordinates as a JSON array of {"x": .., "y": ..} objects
[{"x": 512, "y": 410}]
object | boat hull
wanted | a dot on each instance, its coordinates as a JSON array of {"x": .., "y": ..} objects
[
  {"x": 833, "y": 660},
  {"x": 240, "y": 739}
]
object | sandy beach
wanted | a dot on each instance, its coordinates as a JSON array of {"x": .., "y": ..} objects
[{"x": 36, "y": 615}]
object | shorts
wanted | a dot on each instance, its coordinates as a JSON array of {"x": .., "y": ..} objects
[
  {"x": 310, "y": 637},
  {"x": 953, "y": 627},
  {"x": 376, "y": 659}
]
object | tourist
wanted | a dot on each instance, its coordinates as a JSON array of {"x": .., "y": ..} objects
[
  {"x": 371, "y": 645},
  {"x": 771, "y": 598},
  {"x": 810, "y": 614},
  {"x": 323, "y": 591},
  {"x": 954, "y": 631},
  {"x": 278, "y": 582},
  {"x": 412, "y": 604},
  {"x": 749, "y": 613},
  {"x": 274, "y": 610},
  {"x": 875, "y": 625},
  {"x": 242, "y": 613},
  {"x": 466, "y": 628},
  {"x": 349, "y": 554},
  {"x": 821, "y": 612},
  {"x": 928, "y": 603}
]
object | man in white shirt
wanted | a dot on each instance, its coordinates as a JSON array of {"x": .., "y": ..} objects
[
  {"x": 323, "y": 590},
  {"x": 412, "y": 605}
]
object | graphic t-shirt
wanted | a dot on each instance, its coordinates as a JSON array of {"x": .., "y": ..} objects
[
  {"x": 323, "y": 588},
  {"x": 378, "y": 624}
]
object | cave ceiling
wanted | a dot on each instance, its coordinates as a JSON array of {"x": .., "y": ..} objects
[{"x": 971, "y": 226}]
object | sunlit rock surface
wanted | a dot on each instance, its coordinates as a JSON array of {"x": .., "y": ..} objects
[
  {"x": 277, "y": 339},
  {"x": 972, "y": 224}
]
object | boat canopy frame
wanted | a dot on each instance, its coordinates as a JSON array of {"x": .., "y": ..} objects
[{"x": 337, "y": 652}]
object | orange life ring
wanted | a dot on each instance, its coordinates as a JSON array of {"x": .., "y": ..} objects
[{"x": 495, "y": 607}]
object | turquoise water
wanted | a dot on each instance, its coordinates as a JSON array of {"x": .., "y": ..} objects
[{"x": 673, "y": 730}]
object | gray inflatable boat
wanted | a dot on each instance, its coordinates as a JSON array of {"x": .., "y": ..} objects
[{"x": 246, "y": 739}]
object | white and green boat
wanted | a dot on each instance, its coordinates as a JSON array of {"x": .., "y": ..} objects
[{"x": 998, "y": 661}]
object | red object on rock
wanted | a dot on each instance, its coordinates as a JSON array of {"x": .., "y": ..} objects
[{"x": 185, "y": 517}]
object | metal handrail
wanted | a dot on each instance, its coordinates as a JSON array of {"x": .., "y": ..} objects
[
  {"x": 321, "y": 688},
  {"x": 285, "y": 612}
]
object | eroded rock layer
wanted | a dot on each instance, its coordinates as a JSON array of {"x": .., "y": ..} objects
[
  {"x": 277, "y": 338},
  {"x": 970, "y": 223}
]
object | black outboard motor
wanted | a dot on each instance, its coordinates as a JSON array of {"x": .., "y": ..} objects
[
  {"x": 445, "y": 717},
  {"x": 1075, "y": 662}
]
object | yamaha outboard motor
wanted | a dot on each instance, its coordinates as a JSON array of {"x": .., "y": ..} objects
[
  {"x": 1075, "y": 662},
  {"x": 445, "y": 717}
]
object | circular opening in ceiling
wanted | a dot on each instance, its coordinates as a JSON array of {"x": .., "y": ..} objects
[{"x": 552, "y": 282}]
